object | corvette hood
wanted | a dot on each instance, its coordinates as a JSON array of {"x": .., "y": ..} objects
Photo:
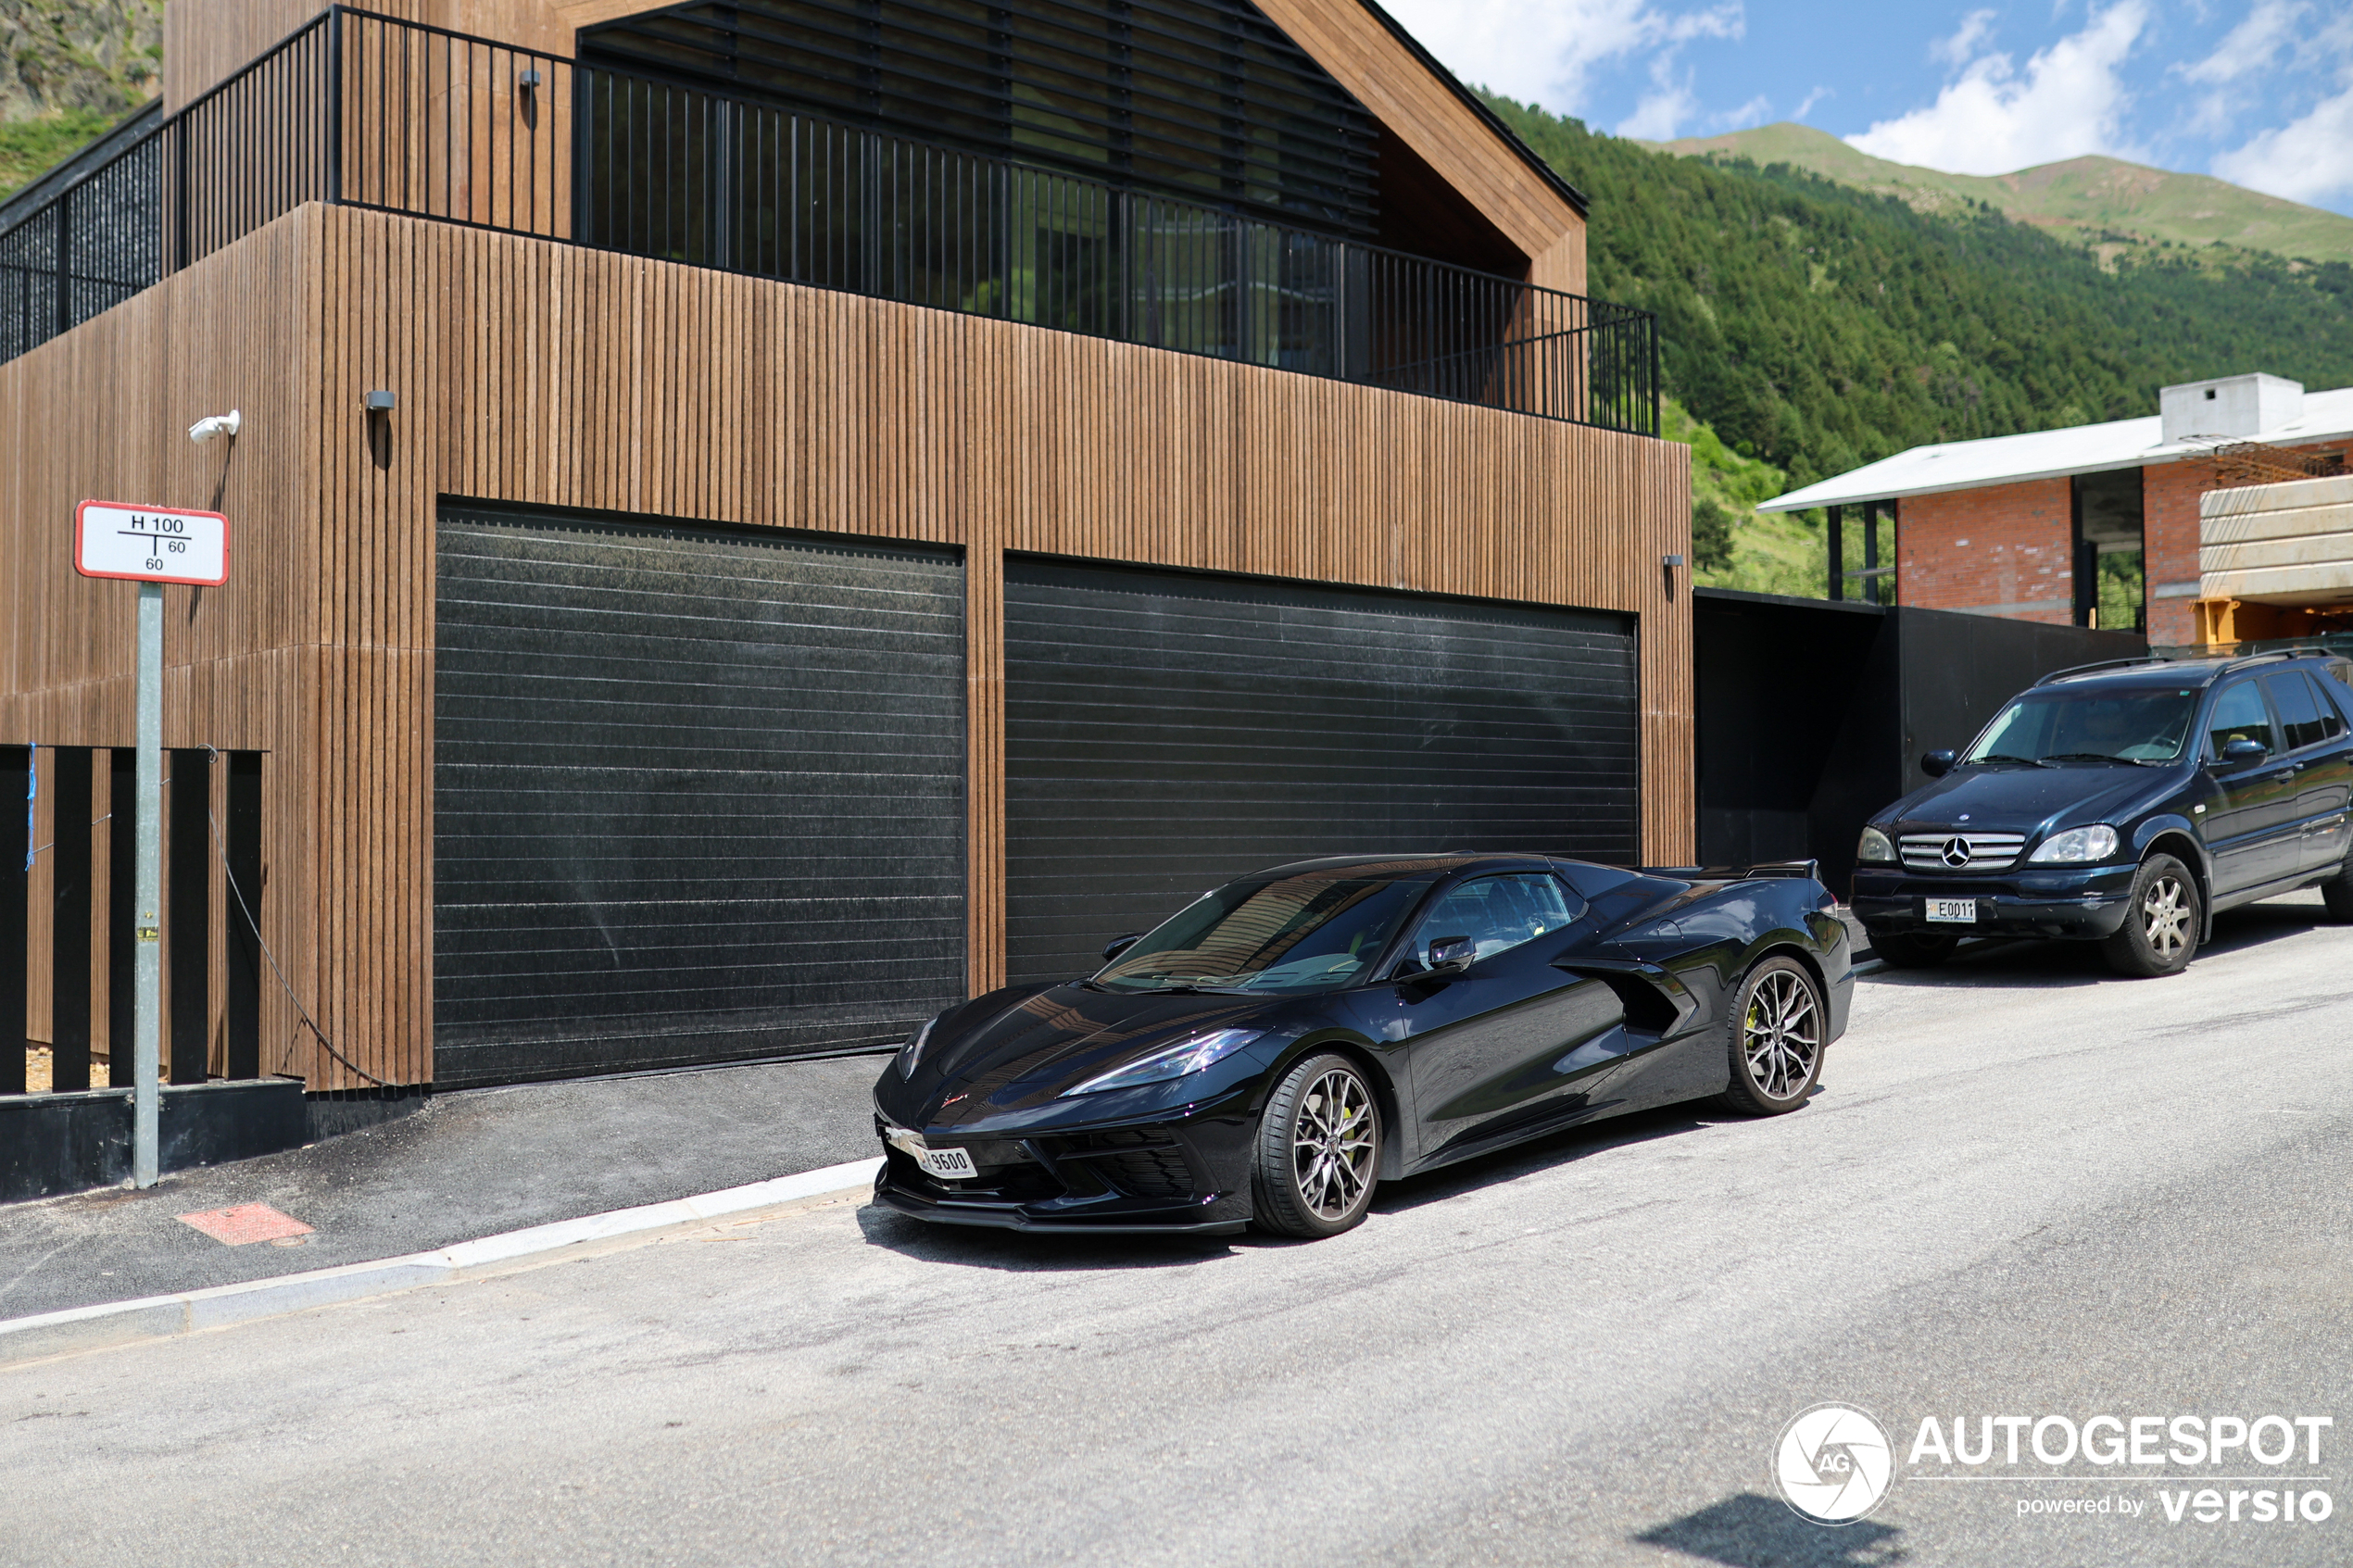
[
  {"x": 1024, "y": 1052},
  {"x": 2023, "y": 799}
]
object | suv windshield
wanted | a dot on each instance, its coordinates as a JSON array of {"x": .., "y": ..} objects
[
  {"x": 2138, "y": 724},
  {"x": 1315, "y": 932}
]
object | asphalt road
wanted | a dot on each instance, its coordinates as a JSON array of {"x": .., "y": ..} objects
[{"x": 2025, "y": 1189}]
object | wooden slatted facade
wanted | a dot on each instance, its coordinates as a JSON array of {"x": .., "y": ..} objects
[{"x": 530, "y": 371}]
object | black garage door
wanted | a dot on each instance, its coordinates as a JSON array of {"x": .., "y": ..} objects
[
  {"x": 1164, "y": 731},
  {"x": 698, "y": 796}
]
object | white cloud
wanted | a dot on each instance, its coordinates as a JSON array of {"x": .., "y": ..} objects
[
  {"x": 1812, "y": 98},
  {"x": 1664, "y": 109},
  {"x": 1961, "y": 48},
  {"x": 1992, "y": 117},
  {"x": 1547, "y": 53},
  {"x": 2251, "y": 45},
  {"x": 2308, "y": 160},
  {"x": 1750, "y": 113}
]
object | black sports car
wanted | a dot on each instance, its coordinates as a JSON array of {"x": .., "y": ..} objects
[{"x": 1276, "y": 1048}]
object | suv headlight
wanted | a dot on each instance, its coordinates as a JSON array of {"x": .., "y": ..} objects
[
  {"x": 2076, "y": 847},
  {"x": 1874, "y": 848}
]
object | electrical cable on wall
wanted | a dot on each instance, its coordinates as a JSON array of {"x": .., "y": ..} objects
[{"x": 254, "y": 925}]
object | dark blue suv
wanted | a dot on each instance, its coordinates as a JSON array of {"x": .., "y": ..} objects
[{"x": 2124, "y": 804}]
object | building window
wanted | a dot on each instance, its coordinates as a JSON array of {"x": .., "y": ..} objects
[
  {"x": 2111, "y": 579},
  {"x": 1199, "y": 99}
]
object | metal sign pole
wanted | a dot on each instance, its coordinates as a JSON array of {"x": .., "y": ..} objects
[
  {"x": 147, "y": 894},
  {"x": 151, "y": 547}
]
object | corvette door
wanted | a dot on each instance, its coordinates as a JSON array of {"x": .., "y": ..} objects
[{"x": 1513, "y": 1040}]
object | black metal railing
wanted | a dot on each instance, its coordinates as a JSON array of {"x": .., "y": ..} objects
[{"x": 367, "y": 111}]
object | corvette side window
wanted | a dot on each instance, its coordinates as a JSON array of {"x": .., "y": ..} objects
[
  {"x": 2239, "y": 714},
  {"x": 1495, "y": 912}
]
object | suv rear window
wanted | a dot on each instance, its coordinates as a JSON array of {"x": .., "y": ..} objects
[{"x": 2299, "y": 706}]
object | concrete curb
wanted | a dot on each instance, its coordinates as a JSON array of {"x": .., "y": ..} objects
[{"x": 162, "y": 1317}]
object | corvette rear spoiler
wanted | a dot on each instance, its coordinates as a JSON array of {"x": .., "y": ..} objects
[{"x": 1810, "y": 870}]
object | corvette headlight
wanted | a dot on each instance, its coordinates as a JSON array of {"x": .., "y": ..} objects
[
  {"x": 1874, "y": 848},
  {"x": 1181, "y": 1059},
  {"x": 2076, "y": 847},
  {"x": 913, "y": 1051}
]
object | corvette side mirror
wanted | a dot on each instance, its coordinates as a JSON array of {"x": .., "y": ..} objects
[
  {"x": 1119, "y": 944},
  {"x": 2241, "y": 751},
  {"x": 1936, "y": 764},
  {"x": 1449, "y": 955}
]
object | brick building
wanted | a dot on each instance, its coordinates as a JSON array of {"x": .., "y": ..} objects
[{"x": 2094, "y": 525}]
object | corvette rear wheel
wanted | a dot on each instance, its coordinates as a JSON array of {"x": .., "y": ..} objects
[
  {"x": 2161, "y": 928},
  {"x": 1777, "y": 1028},
  {"x": 1318, "y": 1150}
]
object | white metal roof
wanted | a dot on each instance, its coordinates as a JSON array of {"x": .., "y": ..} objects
[{"x": 2052, "y": 454}]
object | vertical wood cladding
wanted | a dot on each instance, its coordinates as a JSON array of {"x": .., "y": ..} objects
[{"x": 532, "y": 372}]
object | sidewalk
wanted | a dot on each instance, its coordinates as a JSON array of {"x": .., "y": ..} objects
[{"x": 471, "y": 1164}]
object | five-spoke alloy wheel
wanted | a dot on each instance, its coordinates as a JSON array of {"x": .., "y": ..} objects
[
  {"x": 1318, "y": 1150},
  {"x": 2162, "y": 923},
  {"x": 1777, "y": 1029}
]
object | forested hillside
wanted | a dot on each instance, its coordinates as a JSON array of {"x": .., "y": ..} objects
[{"x": 1818, "y": 326}]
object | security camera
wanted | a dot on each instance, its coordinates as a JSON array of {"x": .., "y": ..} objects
[{"x": 216, "y": 426}]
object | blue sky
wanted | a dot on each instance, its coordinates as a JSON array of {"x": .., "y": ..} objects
[{"x": 2259, "y": 92}]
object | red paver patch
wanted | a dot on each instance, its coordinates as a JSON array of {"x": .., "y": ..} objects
[{"x": 247, "y": 1221}]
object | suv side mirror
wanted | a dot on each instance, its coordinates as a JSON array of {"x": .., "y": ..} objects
[
  {"x": 1449, "y": 955},
  {"x": 2239, "y": 752},
  {"x": 1936, "y": 764},
  {"x": 1119, "y": 944}
]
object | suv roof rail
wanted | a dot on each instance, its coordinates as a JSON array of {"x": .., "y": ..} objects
[
  {"x": 2102, "y": 664},
  {"x": 2242, "y": 661}
]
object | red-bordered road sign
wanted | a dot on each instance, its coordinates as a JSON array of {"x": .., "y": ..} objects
[{"x": 150, "y": 544}]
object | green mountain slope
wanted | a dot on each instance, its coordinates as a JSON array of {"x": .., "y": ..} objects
[
  {"x": 2095, "y": 201},
  {"x": 1818, "y": 327}
]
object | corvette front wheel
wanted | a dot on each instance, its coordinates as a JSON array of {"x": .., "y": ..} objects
[
  {"x": 1318, "y": 1150},
  {"x": 1776, "y": 1031}
]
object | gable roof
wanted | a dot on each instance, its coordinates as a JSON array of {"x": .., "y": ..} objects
[
  {"x": 1478, "y": 107},
  {"x": 2052, "y": 454}
]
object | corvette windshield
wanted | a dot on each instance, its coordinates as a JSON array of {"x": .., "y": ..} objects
[
  {"x": 2057, "y": 727},
  {"x": 1317, "y": 932}
]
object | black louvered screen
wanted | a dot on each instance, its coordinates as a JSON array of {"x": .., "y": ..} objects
[
  {"x": 698, "y": 796},
  {"x": 1205, "y": 99},
  {"x": 1166, "y": 732}
]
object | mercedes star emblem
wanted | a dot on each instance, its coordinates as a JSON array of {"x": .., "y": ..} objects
[{"x": 1956, "y": 851}]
